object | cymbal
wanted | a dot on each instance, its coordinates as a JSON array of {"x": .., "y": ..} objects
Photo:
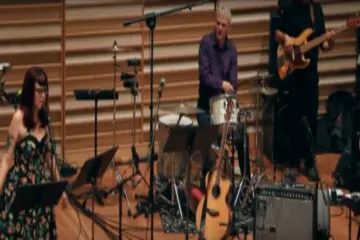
[
  {"x": 258, "y": 77},
  {"x": 268, "y": 91},
  {"x": 183, "y": 109}
]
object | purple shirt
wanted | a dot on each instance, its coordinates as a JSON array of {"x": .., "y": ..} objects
[{"x": 215, "y": 65}]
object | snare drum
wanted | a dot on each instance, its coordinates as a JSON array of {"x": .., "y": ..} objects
[
  {"x": 218, "y": 105},
  {"x": 171, "y": 164}
]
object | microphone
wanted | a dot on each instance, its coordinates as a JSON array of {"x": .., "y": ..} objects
[
  {"x": 4, "y": 67},
  {"x": 161, "y": 86}
]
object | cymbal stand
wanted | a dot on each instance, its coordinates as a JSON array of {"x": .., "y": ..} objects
[
  {"x": 233, "y": 230},
  {"x": 135, "y": 156},
  {"x": 117, "y": 173},
  {"x": 244, "y": 179},
  {"x": 259, "y": 151}
]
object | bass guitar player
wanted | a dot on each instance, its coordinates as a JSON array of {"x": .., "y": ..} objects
[{"x": 303, "y": 84}]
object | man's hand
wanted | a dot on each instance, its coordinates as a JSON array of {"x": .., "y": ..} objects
[
  {"x": 288, "y": 44},
  {"x": 227, "y": 87},
  {"x": 329, "y": 44}
]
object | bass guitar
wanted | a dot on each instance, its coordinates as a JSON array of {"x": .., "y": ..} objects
[
  {"x": 217, "y": 212},
  {"x": 289, "y": 61}
]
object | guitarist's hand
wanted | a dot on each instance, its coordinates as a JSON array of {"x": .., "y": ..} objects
[
  {"x": 288, "y": 44},
  {"x": 330, "y": 39},
  {"x": 288, "y": 41}
]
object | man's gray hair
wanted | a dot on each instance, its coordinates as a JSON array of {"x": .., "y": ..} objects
[{"x": 224, "y": 10}]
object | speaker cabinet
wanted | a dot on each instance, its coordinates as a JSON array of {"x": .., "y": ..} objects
[{"x": 284, "y": 213}]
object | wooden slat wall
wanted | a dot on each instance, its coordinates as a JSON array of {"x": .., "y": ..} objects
[
  {"x": 91, "y": 27},
  {"x": 31, "y": 35}
]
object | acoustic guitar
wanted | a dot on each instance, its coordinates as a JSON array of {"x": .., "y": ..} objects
[
  {"x": 289, "y": 61},
  {"x": 217, "y": 212}
]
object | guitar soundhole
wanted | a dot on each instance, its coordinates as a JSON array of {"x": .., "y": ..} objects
[{"x": 216, "y": 191}]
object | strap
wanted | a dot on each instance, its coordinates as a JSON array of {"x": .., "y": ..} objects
[{"x": 312, "y": 16}]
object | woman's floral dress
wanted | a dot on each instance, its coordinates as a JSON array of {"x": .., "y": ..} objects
[{"x": 29, "y": 168}]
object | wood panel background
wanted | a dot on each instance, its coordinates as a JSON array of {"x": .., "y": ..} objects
[{"x": 72, "y": 40}]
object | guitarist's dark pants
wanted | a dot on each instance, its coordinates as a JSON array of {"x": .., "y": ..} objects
[
  {"x": 205, "y": 119},
  {"x": 303, "y": 101}
]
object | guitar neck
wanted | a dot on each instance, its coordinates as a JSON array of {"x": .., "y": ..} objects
[
  {"x": 317, "y": 41},
  {"x": 221, "y": 151}
]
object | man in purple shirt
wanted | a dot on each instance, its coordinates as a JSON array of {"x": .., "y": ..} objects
[{"x": 218, "y": 75}]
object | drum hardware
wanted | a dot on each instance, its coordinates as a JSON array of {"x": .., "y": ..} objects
[
  {"x": 130, "y": 82},
  {"x": 262, "y": 88},
  {"x": 151, "y": 203},
  {"x": 244, "y": 178},
  {"x": 172, "y": 165},
  {"x": 118, "y": 177}
]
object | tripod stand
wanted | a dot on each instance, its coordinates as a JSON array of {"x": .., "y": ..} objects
[{"x": 318, "y": 179}]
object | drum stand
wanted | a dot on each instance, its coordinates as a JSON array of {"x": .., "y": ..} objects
[
  {"x": 175, "y": 189},
  {"x": 117, "y": 173}
]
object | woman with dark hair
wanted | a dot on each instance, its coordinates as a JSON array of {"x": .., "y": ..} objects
[{"x": 27, "y": 160}]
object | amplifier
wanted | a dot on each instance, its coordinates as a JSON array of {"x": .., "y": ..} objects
[{"x": 286, "y": 213}]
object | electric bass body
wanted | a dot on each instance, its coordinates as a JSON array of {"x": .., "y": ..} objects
[
  {"x": 288, "y": 62},
  {"x": 217, "y": 213}
]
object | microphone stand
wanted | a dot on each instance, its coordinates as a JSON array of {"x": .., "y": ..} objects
[
  {"x": 52, "y": 159},
  {"x": 150, "y": 20},
  {"x": 317, "y": 181}
]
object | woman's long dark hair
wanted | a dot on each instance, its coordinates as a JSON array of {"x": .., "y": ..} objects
[{"x": 32, "y": 76}]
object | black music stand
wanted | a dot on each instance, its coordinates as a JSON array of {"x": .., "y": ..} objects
[
  {"x": 36, "y": 195},
  {"x": 191, "y": 139},
  {"x": 93, "y": 169},
  {"x": 95, "y": 95}
]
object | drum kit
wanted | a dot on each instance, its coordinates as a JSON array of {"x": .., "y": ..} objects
[{"x": 172, "y": 167}]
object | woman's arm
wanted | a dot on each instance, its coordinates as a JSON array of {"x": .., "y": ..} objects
[{"x": 8, "y": 157}]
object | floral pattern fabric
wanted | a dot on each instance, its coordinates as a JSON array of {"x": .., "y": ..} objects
[{"x": 29, "y": 168}]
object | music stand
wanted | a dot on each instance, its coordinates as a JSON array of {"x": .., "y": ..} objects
[
  {"x": 93, "y": 169},
  {"x": 36, "y": 195},
  {"x": 190, "y": 139},
  {"x": 95, "y": 95}
]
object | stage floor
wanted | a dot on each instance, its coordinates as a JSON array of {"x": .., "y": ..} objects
[{"x": 69, "y": 226}]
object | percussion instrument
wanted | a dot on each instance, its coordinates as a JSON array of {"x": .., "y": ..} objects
[
  {"x": 183, "y": 109},
  {"x": 172, "y": 165},
  {"x": 218, "y": 107}
]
